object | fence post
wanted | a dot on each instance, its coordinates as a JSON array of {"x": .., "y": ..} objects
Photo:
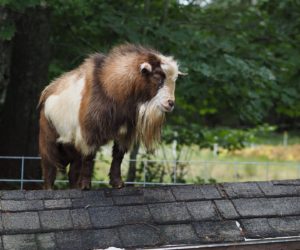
[
  {"x": 267, "y": 172},
  {"x": 235, "y": 171},
  {"x": 174, "y": 152},
  {"x": 145, "y": 171},
  {"x": 175, "y": 172},
  {"x": 22, "y": 172}
]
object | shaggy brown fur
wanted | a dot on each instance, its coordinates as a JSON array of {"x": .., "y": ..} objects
[{"x": 111, "y": 97}]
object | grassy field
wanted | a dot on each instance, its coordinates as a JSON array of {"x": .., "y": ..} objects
[{"x": 257, "y": 163}]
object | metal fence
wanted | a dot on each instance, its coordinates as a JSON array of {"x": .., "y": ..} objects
[{"x": 266, "y": 170}]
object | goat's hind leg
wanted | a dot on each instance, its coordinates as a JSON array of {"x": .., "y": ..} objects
[
  {"x": 115, "y": 169},
  {"x": 49, "y": 173},
  {"x": 74, "y": 173},
  {"x": 86, "y": 172}
]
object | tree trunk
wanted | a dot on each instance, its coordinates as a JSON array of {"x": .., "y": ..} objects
[
  {"x": 131, "y": 175},
  {"x": 28, "y": 75},
  {"x": 4, "y": 58}
]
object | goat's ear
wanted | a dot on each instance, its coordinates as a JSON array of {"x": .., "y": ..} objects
[
  {"x": 182, "y": 74},
  {"x": 145, "y": 68}
]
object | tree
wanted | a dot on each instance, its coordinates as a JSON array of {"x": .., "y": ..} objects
[
  {"x": 242, "y": 58},
  {"x": 28, "y": 74}
]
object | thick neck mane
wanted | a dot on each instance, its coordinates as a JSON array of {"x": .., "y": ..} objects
[
  {"x": 149, "y": 124},
  {"x": 122, "y": 81}
]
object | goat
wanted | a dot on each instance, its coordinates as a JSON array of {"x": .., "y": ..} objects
[{"x": 122, "y": 96}]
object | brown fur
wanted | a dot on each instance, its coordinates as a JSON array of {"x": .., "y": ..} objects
[{"x": 113, "y": 96}]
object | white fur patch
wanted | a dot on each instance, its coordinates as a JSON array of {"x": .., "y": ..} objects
[
  {"x": 170, "y": 67},
  {"x": 62, "y": 109},
  {"x": 161, "y": 98}
]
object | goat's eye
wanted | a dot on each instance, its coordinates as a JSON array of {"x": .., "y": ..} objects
[{"x": 160, "y": 83}]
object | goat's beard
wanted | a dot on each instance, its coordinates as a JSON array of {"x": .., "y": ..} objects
[{"x": 149, "y": 124}]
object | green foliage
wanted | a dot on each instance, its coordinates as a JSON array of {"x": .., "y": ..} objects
[
  {"x": 10, "y": 9},
  {"x": 242, "y": 58},
  {"x": 233, "y": 139},
  {"x": 7, "y": 31},
  {"x": 200, "y": 180}
]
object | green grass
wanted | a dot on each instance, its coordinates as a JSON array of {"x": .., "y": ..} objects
[
  {"x": 203, "y": 166},
  {"x": 276, "y": 138}
]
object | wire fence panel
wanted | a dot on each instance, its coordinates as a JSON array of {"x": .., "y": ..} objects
[{"x": 205, "y": 171}]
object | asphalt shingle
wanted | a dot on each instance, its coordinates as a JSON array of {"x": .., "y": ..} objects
[
  {"x": 179, "y": 233},
  {"x": 169, "y": 212},
  {"x": 69, "y": 240},
  {"x": 226, "y": 209},
  {"x": 102, "y": 217},
  {"x": 202, "y": 210},
  {"x": 21, "y": 222},
  {"x": 242, "y": 190},
  {"x": 139, "y": 235},
  {"x": 21, "y": 205},
  {"x": 257, "y": 228},
  {"x": 46, "y": 241},
  {"x": 221, "y": 231},
  {"x": 135, "y": 214},
  {"x": 61, "y": 203},
  {"x": 154, "y": 195},
  {"x": 81, "y": 218},
  {"x": 100, "y": 239},
  {"x": 12, "y": 195},
  {"x": 255, "y": 207},
  {"x": 56, "y": 219},
  {"x": 279, "y": 188},
  {"x": 20, "y": 242},
  {"x": 149, "y": 217}
]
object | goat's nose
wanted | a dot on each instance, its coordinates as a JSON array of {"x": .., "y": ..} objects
[{"x": 171, "y": 103}]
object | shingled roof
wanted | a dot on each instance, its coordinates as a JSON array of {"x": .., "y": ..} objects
[{"x": 194, "y": 216}]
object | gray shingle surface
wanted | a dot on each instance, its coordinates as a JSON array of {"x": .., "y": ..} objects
[
  {"x": 20, "y": 222},
  {"x": 19, "y": 241},
  {"x": 12, "y": 195},
  {"x": 103, "y": 217},
  {"x": 226, "y": 209},
  {"x": 169, "y": 212},
  {"x": 140, "y": 235},
  {"x": 92, "y": 239},
  {"x": 135, "y": 214},
  {"x": 280, "y": 188},
  {"x": 202, "y": 210},
  {"x": 149, "y": 217},
  {"x": 221, "y": 231},
  {"x": 46, "y": 241},
  {"x": 62, "y": 203},
  {"x": 56, "y": 219},
  {"x": 21, "y": 205},
  {"x": 179, "y": 233},
  {"x": 69, "y": 240},
  {"x": 242, "y": 190},
  {"x": 81, "y": 218},
  {"x": 183, "y": 193}
]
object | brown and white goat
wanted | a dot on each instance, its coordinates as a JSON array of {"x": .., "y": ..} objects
[{"x": 121, "y": 97}]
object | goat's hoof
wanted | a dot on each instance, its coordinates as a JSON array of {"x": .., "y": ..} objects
[
  {"x": 48, "y": 187},
  {"x": 117, "y": 183},
  {"x": 85, "y": 185}
]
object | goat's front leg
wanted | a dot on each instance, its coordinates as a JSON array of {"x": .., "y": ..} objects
[
  {"x": 49, "y": 173},
  {"x": 115, "y": 169},
  {"x": 74, "y": 172},
  {"x": 85, "y": 178}
]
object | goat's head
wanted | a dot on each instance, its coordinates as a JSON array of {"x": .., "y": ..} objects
[{"x": 161, "y": 73}]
